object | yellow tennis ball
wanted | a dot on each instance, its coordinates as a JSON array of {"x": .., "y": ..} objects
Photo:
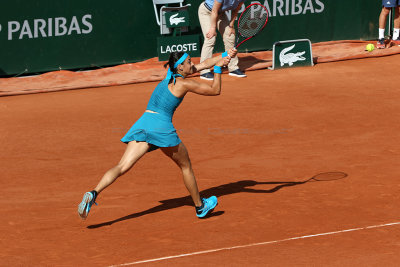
[{"x": 370, "y": 47}]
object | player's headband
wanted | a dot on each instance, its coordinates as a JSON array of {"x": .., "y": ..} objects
[
  {"x": 170, "y": 74},
  {"x": 180, "y": 61}
]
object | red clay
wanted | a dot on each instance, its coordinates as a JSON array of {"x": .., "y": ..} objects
[{"x": 247, "y": 147}]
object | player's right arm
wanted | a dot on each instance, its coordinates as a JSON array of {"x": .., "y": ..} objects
[{"x": 204, "y": 88}]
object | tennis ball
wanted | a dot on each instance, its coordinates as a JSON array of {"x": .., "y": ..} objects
[{"x": 370, "y": 47}]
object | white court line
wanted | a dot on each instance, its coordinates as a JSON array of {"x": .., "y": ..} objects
[{"x": 256, "y": 244}]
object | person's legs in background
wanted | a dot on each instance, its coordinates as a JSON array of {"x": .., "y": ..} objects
[
  {"x": 229, "y": 42},
  {"x": 208, "y": 45}
]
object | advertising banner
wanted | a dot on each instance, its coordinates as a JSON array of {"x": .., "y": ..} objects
[
  {"x": 292, "y": 53},
  {"x": 45, "y": 35},
  {"x": 185, "y": 43}
]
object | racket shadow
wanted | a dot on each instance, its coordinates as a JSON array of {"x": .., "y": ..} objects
[{"x": 243, "y": 186}]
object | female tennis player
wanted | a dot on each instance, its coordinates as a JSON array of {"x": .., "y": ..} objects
[{"x": 154, "y": 129}]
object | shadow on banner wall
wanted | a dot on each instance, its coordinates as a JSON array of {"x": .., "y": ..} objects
[{"x": 44, "y": 35}]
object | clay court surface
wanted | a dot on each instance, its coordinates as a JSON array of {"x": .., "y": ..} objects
[{"x": 255, "y": 147}]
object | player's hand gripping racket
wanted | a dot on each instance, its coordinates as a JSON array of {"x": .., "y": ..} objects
[{"x": 252, "y": 20}]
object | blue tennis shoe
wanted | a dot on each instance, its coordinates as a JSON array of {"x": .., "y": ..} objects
[
  {"x": 207, "y": 207},
  {"x": 88, "y": 200}
]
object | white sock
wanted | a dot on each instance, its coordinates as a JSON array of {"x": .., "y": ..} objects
[
  {"x": 396, "y": 33},
  {"x": 381, "y": 33}
]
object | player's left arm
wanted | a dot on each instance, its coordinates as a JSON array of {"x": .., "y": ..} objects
[{"x": 208, "y": 63}]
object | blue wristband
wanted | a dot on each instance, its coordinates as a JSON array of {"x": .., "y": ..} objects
[
  {"x": 225, "y": 54},
  {"x": 217, "y": 69}
]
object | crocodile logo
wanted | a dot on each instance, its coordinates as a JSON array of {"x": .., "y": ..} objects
[
  {"x": 290, "y": 58},
  {"x": 174, "y": 20}
]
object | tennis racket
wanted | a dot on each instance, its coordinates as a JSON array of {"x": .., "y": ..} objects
[{"x": 252, "y": 20}]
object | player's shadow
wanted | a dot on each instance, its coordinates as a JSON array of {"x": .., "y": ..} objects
[{"x": 222, "y": 190}]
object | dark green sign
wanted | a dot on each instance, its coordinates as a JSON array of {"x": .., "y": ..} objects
[
  {"x": 176, "y": 19},
  {"x": 293, "y": 53},
  {"x": 44, "y": 35},
  {"x": 185, "y": 43}
]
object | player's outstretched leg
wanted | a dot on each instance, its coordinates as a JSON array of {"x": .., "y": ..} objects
[{"x": 133, "y": 152}]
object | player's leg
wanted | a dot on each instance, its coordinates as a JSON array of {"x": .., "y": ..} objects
[
  {"x": 134, "y": 151},
  {"x": 208, "y": 45},
  {"x": 180, "y": 156}
]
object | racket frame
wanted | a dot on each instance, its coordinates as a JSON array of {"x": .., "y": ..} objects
[{"x": 248, "y": 38}]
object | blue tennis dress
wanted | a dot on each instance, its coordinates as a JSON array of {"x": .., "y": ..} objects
[{"x": 157, "y": 128}]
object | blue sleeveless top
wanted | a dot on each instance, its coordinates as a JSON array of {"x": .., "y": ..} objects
[
  {"x": 163, "y": 101},
  {"x": 156, "y": 128}
]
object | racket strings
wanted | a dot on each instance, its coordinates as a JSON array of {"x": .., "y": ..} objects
[{"x": 252, "y": 21}]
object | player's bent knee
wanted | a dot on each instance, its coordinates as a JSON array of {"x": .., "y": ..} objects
[
  {"x": 187, "y": 169},
  {"x": 123, "y": 167},
  {"x": 185, "y": 165}
]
